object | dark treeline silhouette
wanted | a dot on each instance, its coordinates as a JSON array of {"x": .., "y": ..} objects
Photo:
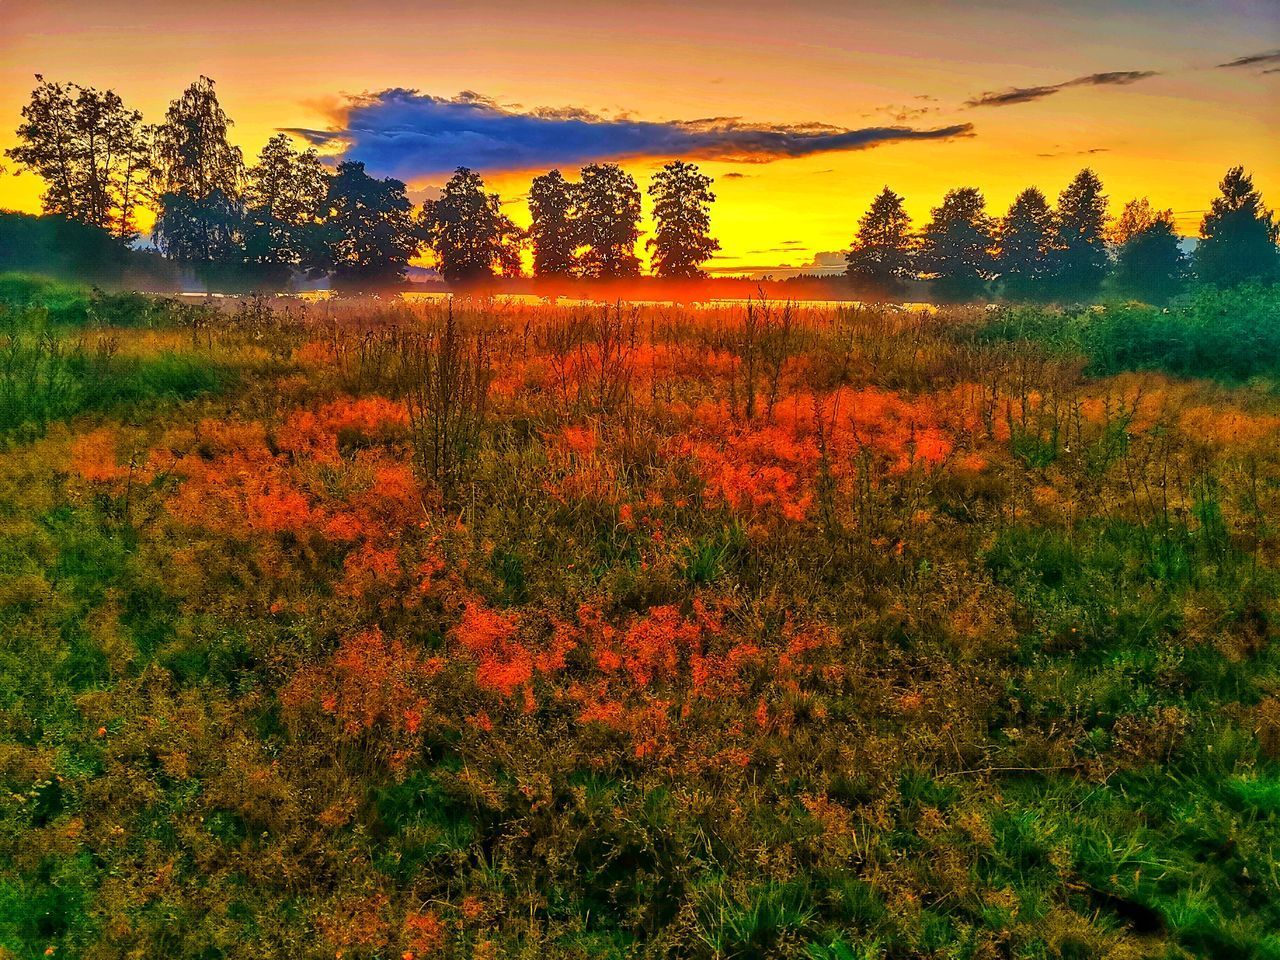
[
  {"x": 1071, "y": 251},
  {"x": 288, "y": 213}
]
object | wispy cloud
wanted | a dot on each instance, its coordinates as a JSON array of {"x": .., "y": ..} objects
[
  {"x": 1075, "y": 153},
  {"x": 1253, "y": 60},
  {"x": 1012, "y": 95},
  {"x": 823, "y": 263},
  {"x": 411, "y": 135}
]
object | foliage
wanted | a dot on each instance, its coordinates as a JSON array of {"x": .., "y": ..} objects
[
  {"x": 1149, "y": 264},
  {"x": 1238, "y": 235},
  {"x": 1232, "y": 335},
  {"x": 55, "y": 246},
  {"x": 609, "y": 217},
  {"x": 91, "y": 151},
  {"x": 199, "y": 178},
  {"x": 682, "y": 241},
  {"x": 468, "y": 232},
  {"x": 1025, "y": 246},
  {"x": 1080, "y": 245},
  {"x": 553, "y": 231},
  {"x": 285, "y": 204},
  {"x": 881, "y": 256},
  {"x": 955, "y": 246},
  {"x": 776, "y": 632},
  {"x": 369, "y": 228}
]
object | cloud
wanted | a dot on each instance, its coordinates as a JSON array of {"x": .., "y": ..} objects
[
  {"x": 1253, "y": 60},
  {"x": 903, "y": 113},
  {"x": 1004, "y": 98},
  {"x": 1075, "y": 153},
  {"x": 824, "y": 263},
  {"x": 412, "y": 135}
]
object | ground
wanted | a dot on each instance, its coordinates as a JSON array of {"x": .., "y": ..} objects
[{"x": 361, "y": 629}]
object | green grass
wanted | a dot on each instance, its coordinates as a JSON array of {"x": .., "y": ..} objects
[{"x": 1230, "y": 335}]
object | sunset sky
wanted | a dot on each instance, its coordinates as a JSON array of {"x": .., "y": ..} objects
[{"x": 802, "y": 111}]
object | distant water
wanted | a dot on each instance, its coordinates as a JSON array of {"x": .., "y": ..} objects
[{"x": 533, "y": 300}]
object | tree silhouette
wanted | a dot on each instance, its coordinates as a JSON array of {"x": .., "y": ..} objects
[
  {"x": 1238, "y": 235},
  {"x": 1080, "y": 249},
  {"x": 554, "y": 229},
  {"x": 199, "y": 179},
  {"x": 468, "y": 232},
  {"x": 956, "y": 244},
  {"x": 1149, "y": 264},
  {"x": 92, "y": 152},
  {"x": 285, "y": 194},
  {"x": 682, "y": 201},
  {"x": 609, "y": 212},
  {"x": 880, "y": 258},
  {"x": 370, "y": 229},
  {"x": 1024, "y": 245}
]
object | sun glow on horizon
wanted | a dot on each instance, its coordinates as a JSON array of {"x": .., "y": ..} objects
[{"x": 1168, "y": 134}]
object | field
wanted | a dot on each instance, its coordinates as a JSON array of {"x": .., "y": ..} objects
[{"x": 363, "y": 629}]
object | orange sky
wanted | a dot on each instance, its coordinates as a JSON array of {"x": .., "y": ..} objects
[{"x": 848, "y": 64}]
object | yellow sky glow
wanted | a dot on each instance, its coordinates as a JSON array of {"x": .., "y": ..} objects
[{"x": 849, "y": 64}]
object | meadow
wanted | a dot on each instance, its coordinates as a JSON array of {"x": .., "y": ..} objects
[{"x": 373, "y": 629}]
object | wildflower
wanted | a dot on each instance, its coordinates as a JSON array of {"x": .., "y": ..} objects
[{"x": 93, "y": 456}]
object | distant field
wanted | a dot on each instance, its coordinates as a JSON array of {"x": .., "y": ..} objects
[{"x": 372, "y": 629}]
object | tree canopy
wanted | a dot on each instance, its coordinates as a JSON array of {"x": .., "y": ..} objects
[
  {"x": 467, "y": 231},
  {"x": 92, "y": 152},
  {"x": 1238, "y": 235},
  {"x": 956, "y": 244},
  {"x": 682, "y": 239},
  {"x": 1080, "y": 250},
  {"x": 369, "y": 227},
  {"x": 285, "y": 195},
  {"x": 880, "y": 258},
  {"x": 554, "y": 230},
  {"x": 609, "y": 213},
  {"x": 1025, "y": 244},
  {"x": 200, "y": 174}
]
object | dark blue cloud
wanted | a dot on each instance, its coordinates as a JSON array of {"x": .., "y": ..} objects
[{"x": 411, "y": 135}]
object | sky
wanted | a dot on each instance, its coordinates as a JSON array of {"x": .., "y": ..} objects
[{"x": 802, "y": 111}]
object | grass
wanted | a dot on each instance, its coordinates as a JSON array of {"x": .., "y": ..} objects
[
  {"x": 957, "y": 640},
  {"x": 1231, "y": 335}
]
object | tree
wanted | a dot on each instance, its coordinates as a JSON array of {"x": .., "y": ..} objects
[
  {"x": 682, "y": 201},
  {"x": 956, "y": 244},
  {"x": 1080, "y": 248},
  {"x": 1024, "y": 244},
  {"x": 92, "y": 152},
  {"x": 1149, "y": 263},
  {"x": 554, "y": 230},
  {"x": 609, "y": 212},
  {"x": 1238, "y": 235},
  {"x": 468, "y": 232},
  {"x": 199, "y": 178},
  {"x": 369, "y": 226},
  {"x": 880, "y": 258},
  {"x": 285, "y": 194}
]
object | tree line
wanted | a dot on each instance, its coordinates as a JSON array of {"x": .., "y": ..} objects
[
  {"x": 101, "y": 164},
  {"x": 1066, "y": 251},
  {"x": 289, "y": 211}
]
